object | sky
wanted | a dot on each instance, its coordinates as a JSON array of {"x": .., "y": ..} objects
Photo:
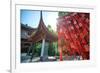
[{"x": 32, "y": 18}]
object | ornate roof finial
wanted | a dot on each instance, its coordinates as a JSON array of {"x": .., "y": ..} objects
[{"x": 41, "y": 14}]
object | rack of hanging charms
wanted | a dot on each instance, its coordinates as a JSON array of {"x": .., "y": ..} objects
[{"x": 73, "y": 36}]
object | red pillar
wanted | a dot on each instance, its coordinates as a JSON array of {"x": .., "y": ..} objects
[{"x": 61, "y": 58}]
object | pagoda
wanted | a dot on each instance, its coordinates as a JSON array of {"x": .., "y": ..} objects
[{"x": 44, "y": 36}]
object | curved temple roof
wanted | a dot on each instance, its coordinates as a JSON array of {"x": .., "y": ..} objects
[{"x": 43, "y": 32}]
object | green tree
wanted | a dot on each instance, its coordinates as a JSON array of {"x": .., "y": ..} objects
[
  {"x": 51, "y": 30},
  {"x": 63, "y": 13}
]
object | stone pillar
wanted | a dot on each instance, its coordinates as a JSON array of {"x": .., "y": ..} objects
[
  {"x": 43, "y": 46},
  {"x": 44, "y": 51}
]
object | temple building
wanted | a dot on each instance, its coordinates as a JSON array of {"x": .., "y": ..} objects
[
  {"x": 26, "y": 31},
  {"x": 44, "y": 36}
]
